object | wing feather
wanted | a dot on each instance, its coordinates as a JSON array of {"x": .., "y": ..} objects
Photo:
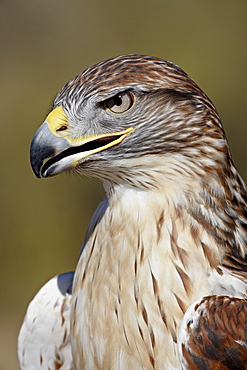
[
  {"x": 213, "y": 334},
  {"x": 44, "y": 338},
  {"x": 98, "y": 214}
]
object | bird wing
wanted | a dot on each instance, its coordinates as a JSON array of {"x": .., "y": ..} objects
[
  {"x": 44, "y": 338},
  {"x": 213, "y": 334},
  {"x": 98, "y": 214}
]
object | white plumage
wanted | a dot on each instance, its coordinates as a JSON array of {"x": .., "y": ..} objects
[{"x": 44, "y": 339}]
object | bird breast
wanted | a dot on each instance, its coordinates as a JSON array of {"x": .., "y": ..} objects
[{"x": 140, "y": 256}]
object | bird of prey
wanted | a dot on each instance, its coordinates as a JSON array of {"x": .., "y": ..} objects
[{"x": 161, "y": 279}]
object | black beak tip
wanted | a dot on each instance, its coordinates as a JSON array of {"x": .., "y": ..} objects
[
  {"x": 38, "y": 154},
  {"x": 36, "y": 168}
]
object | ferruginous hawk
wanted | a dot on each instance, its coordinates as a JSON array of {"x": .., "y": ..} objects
[{"x": 162, "y": 275}]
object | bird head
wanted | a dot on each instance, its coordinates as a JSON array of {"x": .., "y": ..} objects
[{"x": 122, "y": 115}]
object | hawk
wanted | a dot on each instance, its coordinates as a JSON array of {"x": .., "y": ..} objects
[{"x": 161, "y": 278}]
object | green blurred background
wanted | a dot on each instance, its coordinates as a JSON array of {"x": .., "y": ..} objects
[{"x": 44, "y": 43}]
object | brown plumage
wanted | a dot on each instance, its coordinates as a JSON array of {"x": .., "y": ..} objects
[
  {"x": 172, "y": 229},
  {"x": 216, "y": 334}
]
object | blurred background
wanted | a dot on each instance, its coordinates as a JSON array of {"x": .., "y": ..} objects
[{"x": 44, "y": 43}]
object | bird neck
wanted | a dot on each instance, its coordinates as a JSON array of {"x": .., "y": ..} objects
[
  {"x": 207, "y": 197},
  {"x": 173, "y": 218}
]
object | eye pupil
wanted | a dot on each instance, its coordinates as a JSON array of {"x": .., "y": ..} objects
[{"x": 118, "y": 101}]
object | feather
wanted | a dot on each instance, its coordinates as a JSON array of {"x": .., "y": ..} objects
[{"x": 44, "y": 339}]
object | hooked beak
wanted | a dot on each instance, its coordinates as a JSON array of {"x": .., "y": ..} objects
[{"x": 53, "y": 151}]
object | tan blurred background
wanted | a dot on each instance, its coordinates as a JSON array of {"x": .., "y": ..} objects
[{"x": 44, "y": 43}]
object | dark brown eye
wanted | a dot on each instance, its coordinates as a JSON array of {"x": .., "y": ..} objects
[{"x": 120, "y": 103}]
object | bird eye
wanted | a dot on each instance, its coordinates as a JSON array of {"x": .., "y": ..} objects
[{"x": 120, "y": 103}]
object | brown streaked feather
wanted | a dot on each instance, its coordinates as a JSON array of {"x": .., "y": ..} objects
[{"x": 216, "y": 334}]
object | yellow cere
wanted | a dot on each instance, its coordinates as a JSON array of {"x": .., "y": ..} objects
[{"x": 56, "y": 119}]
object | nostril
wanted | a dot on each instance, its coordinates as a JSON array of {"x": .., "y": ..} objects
[{"x": 62, "y": 128}]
